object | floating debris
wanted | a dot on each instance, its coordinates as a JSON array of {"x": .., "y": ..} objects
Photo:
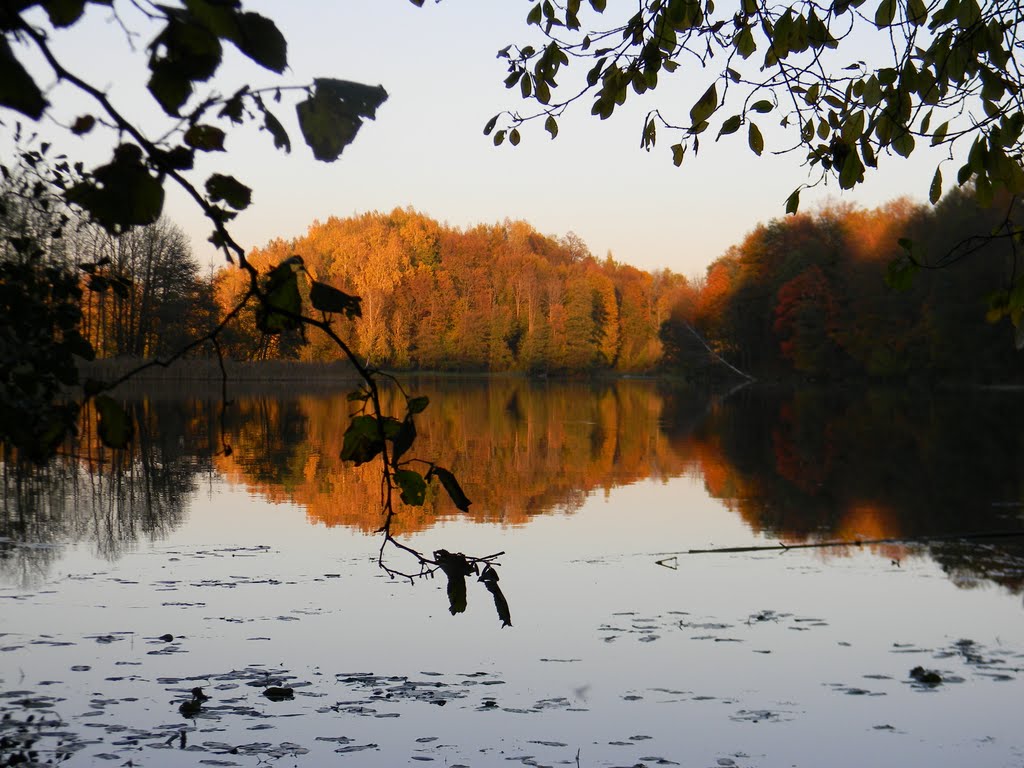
[
  {"x": 276, "y": 693},
  {"x": 926, "y": 676}
]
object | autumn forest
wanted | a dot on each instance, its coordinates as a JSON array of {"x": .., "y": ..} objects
[{"x": 820, "y": 295}]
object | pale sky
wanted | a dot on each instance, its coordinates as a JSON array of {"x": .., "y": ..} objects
[{"x": 427, "y": 149}]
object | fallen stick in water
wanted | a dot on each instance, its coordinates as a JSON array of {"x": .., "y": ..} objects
[{"x": 780, "y": 547}]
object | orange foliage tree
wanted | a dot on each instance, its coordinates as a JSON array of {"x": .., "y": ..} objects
[
  {"x": 808, "y": 295},
  {"x": 499, "y": 297}
]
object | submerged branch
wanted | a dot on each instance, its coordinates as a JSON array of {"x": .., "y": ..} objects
[{"x": 780, "y": 547}]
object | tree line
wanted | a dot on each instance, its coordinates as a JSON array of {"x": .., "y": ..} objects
[
  {"x": 493, "y": 297},
  {"x": 902, "y": 290},
  {"x": 139, "y": 293},
  {"x": 825, "y": 295}
]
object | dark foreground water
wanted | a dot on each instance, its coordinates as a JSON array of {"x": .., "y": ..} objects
[{"x": 127, "y": 581}]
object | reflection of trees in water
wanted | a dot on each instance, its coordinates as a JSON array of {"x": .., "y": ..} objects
[
  {"x": 970, "y": 564},
  {"x": 519, "y": 448},
  {"x": 810, "y": 465},
  {"x": 110, "y": 499},
  {"x": 831, "y": 464}
]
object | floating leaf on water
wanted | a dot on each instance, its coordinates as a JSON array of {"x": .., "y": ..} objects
[
  {"x": 926, "y": 676},
  {"x": 277, "y": 693}
]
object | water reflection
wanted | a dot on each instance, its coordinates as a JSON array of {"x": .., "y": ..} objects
[
  {"x": 831, "y": 464},
  {"x": 519, "y": 448},
  {"x": 109, "y": 499},
  {"x": 795, "y": 466}
]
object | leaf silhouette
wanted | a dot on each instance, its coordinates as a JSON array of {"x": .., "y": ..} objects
[
  {"x": 490, "y": 579},
  {"x": 456, "y": 568}
]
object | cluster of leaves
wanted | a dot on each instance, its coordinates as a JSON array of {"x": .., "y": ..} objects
[
  {"x": 950, "y": 59},
  {"x": 187, "y": 52},
  {"x": 456, "y": 568},
  {"x": 941, "y": 73},
  {"x": 285, "y": 288},
  {"x": 368, "y": 436}
]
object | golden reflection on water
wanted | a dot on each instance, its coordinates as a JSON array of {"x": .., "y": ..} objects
[
  {"x": 794, "y": 467},
  {"x": 518, "y": 448}
]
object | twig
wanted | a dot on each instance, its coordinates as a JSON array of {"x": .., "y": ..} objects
[{"x": 780, "y": 547}]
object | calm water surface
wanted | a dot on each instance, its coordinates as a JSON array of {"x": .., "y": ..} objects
[{"x": 624, "y": 651}]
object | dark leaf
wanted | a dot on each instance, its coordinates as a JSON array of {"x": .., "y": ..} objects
[
  {"x": 185, "y": 52},
  {"x": 403, "y": 440},
  {"x": 272, "y": 124},
  {"x": 362, "y": 440},
  {"x": 903, "y": 144},
  {"x": 327, "y": 298},
  {"x": 207, "y": 138},
  {"x": 283, "y": 303},
  {"x": 551, "y": 126},
  {"x": 17, "y": 88},
  {"x": 64, "y": 13},
  {"x": 705, "y": 106},
  {"x": 414, "y": 487},
  {"x": 331, "y": 117},
  {"x": 93, "y": 387},
  {"x": 169, "y": 86},
  {"x": 755, "y": 140},
  {"x": 451, "y": 485},
  {"x": 935, "y": 191},
  {"x": 852, "y": 171},
  {"x": 885, "y": 14},
  {"x": 731, "y": 125},
  {"x": 260, "y": 39},
  {"x": 234, "y": 107},
  {"x": 121, "y": 286},
  {"x": 79, "y": 345},
  {"x": 417, "y": 404},
  {"x": 489, "y": 577},
  {"x": 177, "y": 158},
  {"x": 278, "y": 693},
  {"x": 793, "y": 202},
  {"x": 120, "y": 195},
  {"x": 230, "y": 190},
  {"x": 391, "y": 427},
  {"x": 456, "y": 568},
  {"x": 83, "y": 124}
]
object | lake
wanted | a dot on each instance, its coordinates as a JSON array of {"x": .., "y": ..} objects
[{"x": 127, "y": 580}]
